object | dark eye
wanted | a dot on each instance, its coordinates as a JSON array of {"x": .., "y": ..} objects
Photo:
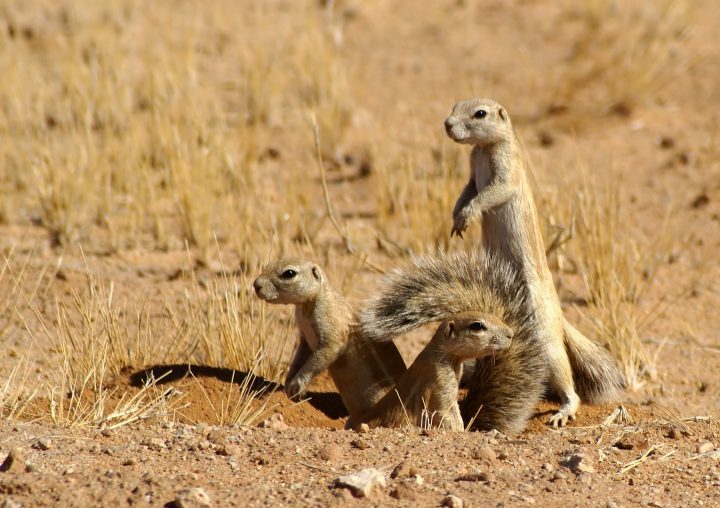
[
  {"x": 288, "y": 274},
  {"x": 480, "y": 113},
  {"x": 477, "y": 326}
]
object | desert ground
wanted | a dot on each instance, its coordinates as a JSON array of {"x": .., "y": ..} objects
[{"x": 155, "y": 155}]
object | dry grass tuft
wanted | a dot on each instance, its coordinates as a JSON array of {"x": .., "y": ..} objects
[
  {"x": 617, "y": 264},
  {"x": 240, "y": 404},
  {"x": 94, "y": 339},
  {"x": 615, "y": 274},
  {"x": 620, "y": 416},
  {"x": 137, "y": 143},
  {"x": 14, "y": 395}
]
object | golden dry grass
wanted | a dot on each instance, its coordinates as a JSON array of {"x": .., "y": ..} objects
[{"x": 615, "y": 261}]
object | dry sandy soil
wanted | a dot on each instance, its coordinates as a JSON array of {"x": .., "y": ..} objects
[{"x": 651, "y": 125}]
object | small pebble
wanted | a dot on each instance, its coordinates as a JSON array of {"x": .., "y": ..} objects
[
  {"x": 9, "y": 502},
  {"x": 705, "y": 447},
  {"x": 193, "y": 497},
  {"x": 276, "y": 422},
  {"x": 578, "y": 463},
  {"x": 485, "y": 453},
  {"x": 154, "y": 443},
  {"x": 331, "y": 453},
  {"x": 43, "y": 444},
  {"x": 404, "y": 492},
  {"x": 402, "y": 470},
  {"x": 559, "y": 475},
  {"x": 362, "y": 483},
  {"x": 360, "y": 444},
  {"x": 14, "y": 462},
  {"x": 451, "y": 501}
]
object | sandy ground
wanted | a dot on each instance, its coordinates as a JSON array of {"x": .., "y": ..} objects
[{"x": 667, "y": 151}]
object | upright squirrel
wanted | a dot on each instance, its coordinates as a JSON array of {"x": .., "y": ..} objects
[
  {"x": 330, "y": 337},
  {"x": 498, "y": 193},
  {"x": 426, "y": 394}
]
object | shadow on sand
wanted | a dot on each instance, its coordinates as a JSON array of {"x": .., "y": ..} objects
[{"x": 329, "y": 403}]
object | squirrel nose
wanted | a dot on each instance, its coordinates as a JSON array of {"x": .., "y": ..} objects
[
  {"x": 257, "y": 286},
  {"x": 448, "y": 125}
]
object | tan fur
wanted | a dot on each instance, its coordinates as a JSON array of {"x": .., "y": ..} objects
[
  {"x": 504, "y": 389},
  {"x": 499, "y": 194},
  {"x": 426, "y": 394},
  {"x": 329, "y": 336}
]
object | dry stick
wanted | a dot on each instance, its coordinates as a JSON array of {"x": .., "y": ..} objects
[
  {"x": 642, "y": 458},
  {"x": 472, "y": 420},
  {"x": 328, "y": 206}
]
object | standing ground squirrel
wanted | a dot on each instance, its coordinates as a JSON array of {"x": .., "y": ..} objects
[
  {"x": 330, "y": 338},
  {"x": 499, "y": 194},
  {"x": 506, "y": 388},
  {"x": 426, "y": 394}
]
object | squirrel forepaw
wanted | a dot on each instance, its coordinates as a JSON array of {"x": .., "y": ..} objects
[
  {"x": 460, "y": 224},
  {"x": 567, "y": 410},
  {"x": 295, "y": 388}
]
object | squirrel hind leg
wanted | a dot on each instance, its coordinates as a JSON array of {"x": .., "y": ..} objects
[
  {"x": 505, "y": 390},
  {"x": 596, "y": 375}
]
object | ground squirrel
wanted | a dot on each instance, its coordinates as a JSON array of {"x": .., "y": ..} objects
[
  {"x": 506, "y": 388},
  {"x": 330, "y": 338},
  {"x": 499, "y": 194},
  {"x": 426, "y": 394}
]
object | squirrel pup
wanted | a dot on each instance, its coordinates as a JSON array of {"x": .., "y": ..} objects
[
  {"x": 426, "y": 394},
  {"x": 330, "y": 337},
  {"x": 505, "y": 389}
]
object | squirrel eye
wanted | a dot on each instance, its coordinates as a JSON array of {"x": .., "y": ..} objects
[
  {"x": 477, "y": 326},
  {"x": 288, "y": 274},
  {"x": 480, "y": 113}
]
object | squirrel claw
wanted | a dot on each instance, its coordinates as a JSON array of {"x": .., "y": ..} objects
[
  {"x": 295, "y": 388},
  {"x": 560, "y": 419}
]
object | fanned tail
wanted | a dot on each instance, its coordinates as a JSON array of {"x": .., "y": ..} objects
[
  {"x": 596, "y": 375},
  {"x": 435, "y": 287}
]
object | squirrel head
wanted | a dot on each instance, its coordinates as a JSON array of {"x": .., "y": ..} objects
[
  {"x": 474, "y": 335},
  {"x": 478, "y": 122},
  {"x": 289, "y": 281}
]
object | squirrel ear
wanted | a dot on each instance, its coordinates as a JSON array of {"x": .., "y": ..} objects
[
  {"x": 317, "y": 273},
  {"x": 501, "y": 112}
]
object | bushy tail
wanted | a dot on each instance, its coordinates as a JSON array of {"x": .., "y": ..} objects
[
  {"x": 597, "y": 377},
  {"x": 435, "y": 287},
  {"x": 505, "y": 389},
  {"x": 504, "y": 392}
]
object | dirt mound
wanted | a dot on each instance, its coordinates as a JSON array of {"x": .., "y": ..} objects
[{"x": 208, "y": 392}]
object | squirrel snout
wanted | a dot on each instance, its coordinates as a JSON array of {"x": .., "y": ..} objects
[{"x": 448, "y": 125}]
